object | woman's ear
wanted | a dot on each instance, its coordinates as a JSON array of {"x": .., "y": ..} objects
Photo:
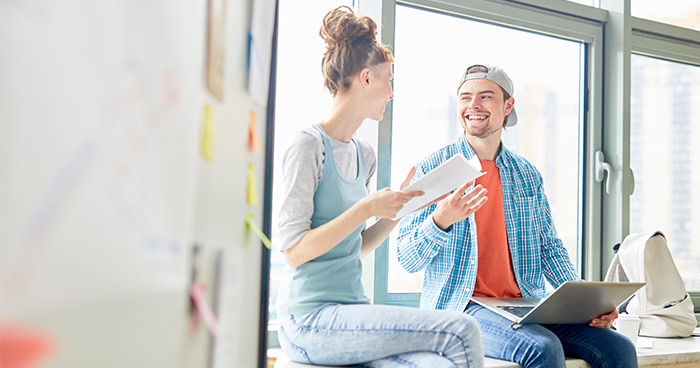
[{"x": 364, "y": 77}]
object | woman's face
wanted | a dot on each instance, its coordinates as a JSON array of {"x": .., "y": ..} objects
[{"x": 380, "y": 78}]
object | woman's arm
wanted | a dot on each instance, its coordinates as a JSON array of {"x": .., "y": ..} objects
[
  {"x": 320, "y": 240},
  {"x": 385, "y": 203},
  {"x": 374, "y": 235}
]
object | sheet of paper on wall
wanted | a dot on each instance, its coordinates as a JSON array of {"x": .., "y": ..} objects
[
  {"x": 449, "y": 175},
  {"x": 216, "y": 45},
  {"x": 262, "y": 26},
  {"x": 229, "y": 306}
]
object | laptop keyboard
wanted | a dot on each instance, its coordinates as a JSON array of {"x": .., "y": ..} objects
[{"x": 519, "y": 311}]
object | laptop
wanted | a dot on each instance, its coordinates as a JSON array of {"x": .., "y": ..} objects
[{"x": 572, "y": 302}]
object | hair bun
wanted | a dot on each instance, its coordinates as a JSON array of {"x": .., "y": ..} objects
[
  {"x": 342, "y": 26},
  {"x": 351, "y": 44}
]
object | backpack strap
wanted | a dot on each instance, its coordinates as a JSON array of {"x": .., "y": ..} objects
[{"x": 615, "y": 271}]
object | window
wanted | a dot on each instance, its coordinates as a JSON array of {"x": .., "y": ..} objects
[
  {"x": 664, "y": 150},
  {"x": 664, "y": 80},
  {"x": 683, "y": 13},
  {"x": 546, "y": 94},
  {"x": 553, "y": 50},
  {"x": 585, "y": 2}
]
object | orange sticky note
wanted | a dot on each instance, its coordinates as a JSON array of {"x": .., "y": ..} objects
[
  {"x": 251, "y": 191},
  {"x": 208, "y": 133},
  {"x": 253, "y": 138}
]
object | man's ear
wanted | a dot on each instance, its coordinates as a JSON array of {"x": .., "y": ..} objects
[{"x": 510, "y": 102}]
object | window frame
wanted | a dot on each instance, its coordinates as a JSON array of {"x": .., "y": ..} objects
[
  {"x": 608, "y": 30},
  {"x": 562, "y": 19}
]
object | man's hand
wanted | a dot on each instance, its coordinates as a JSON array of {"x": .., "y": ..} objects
[
  {"x": 458, "y": 205},
  {"x": 604, "y": 321}
]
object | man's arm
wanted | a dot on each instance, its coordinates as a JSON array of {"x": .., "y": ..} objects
[
  {"x": 422, "y": 235},
  {"x": 557, "y": 265},
  {"x": 419, "y": 240}
]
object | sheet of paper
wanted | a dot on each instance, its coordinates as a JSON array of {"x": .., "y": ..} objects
[
  {"x": 444, "y": 178},
  {"x": 262, "y": 27},
  {"x": 229, "y": 308},
  {"x": 645, "y": 342},
  {"x": 216, "y": 44}
]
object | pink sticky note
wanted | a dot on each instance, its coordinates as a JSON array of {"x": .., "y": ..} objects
[
  {"x": 200, "y": 301},
  {"x": 23, "y": 347}
]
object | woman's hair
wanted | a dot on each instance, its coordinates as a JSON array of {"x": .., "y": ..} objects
[{"x": 351, "y": 45}]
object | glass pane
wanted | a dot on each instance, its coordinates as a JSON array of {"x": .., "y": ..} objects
[
  {"x": 664, "y": 155},
  {"x": 594, "y": 3},
  {"x": 682, "y": 13},
  {"x": 426, "y": 74},
  {"x": 298, "y": 74}
]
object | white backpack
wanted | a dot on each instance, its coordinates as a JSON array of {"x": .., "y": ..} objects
[{"x": 663, "y": 304}]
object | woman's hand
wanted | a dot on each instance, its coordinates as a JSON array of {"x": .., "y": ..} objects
[{"x": 387, "y": 203}]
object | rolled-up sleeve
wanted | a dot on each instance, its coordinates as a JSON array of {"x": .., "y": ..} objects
[{"x": 419, "y": 239}]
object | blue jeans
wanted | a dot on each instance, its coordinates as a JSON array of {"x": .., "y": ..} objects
[
  {"x": 382, "y": 336},
  {"x": 545, "y": 346}
]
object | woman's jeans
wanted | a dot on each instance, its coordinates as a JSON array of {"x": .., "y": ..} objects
[
  {"x": 382, "y": 336},
  {"x": 545, "y": 346}
]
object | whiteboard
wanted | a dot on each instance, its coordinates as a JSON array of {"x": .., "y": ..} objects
[{"x": 100, "y": 105}]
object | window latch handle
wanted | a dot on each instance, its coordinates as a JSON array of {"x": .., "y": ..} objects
[{"x": 601, "y": 168}]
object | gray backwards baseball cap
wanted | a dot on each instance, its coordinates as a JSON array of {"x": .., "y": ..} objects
[{"x": 498, "y": 76}]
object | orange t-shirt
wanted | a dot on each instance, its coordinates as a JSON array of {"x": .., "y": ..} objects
[{"x": 494, "y": 276}]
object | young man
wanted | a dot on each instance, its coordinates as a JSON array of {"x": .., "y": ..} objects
[{"x": 507, "y": 248}]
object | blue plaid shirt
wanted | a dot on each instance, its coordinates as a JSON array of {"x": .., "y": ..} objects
[{"x": 449, "y": 258}]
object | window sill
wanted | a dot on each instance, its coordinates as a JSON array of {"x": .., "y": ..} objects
[{"x": 676, "y": 353}]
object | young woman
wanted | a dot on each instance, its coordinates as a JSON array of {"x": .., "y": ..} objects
[{"x": 325, "y": 316}]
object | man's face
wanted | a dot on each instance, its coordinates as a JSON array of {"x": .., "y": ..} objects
[{"x": 481, "y": 108}]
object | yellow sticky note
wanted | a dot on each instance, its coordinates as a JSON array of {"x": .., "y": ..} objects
[
  {"x": 208, "y": 133},
  {"x": 251, "y": 224},
  {"x": 253, "y": 137},
  {"x": 251, "y": 190}
]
